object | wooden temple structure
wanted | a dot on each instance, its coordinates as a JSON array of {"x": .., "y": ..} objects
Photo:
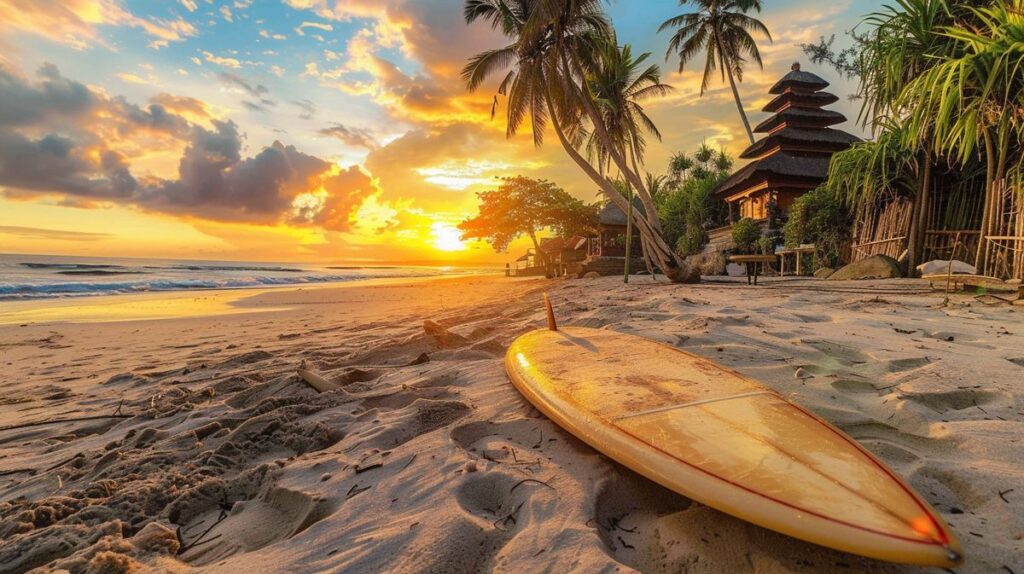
[{"x": 793, "y": 157}]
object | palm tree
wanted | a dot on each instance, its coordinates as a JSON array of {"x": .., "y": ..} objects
[
  {"x": 554, "y": 45},
  {"x": 722, "y": 30},
  {"x": 617, "y": 85}
]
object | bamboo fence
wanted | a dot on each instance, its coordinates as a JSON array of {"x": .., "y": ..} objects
[
  {"x": 1003, "y": 249},
  {"x": 882, "y": 230}
]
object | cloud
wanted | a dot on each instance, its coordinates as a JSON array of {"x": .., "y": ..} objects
[
  {"x": 58, "y": 234},
  {"x": 52, "y": 97},
  {"x": 308, "y": 108},
  {"x": 355, "y": 137},
  {"x": 225, "y": 11},
  {"x": 182, "y": 105},
  {"x": 258, "y": 92},
  {"x": 75, "y": 23},
  {"x": 226, "y": 62},
  {"x": 189, "y": 5},
  {"x": 300, "y": 29},
  {"x": 76, "y": 158}
]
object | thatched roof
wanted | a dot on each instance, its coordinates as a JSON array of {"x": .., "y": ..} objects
[
  {"x": 798, "y": 80},
  {"x": 611, "y": 215},
  {"x": 824, "y": 139},
  {"x": 782, "y": 164},
  {"x": 801, "y": 117},
  {"x": 800, "y": 100}
]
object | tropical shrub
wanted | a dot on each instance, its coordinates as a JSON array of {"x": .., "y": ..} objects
[
  {"x": 820, "y": 217},
  {"x": 745, "y": 234},
  {"x": 687, "y": 207}
]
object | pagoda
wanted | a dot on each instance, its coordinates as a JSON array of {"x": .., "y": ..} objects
[{"x": 793, "y": 157}]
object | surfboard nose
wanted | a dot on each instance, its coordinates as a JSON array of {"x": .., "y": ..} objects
[{"x": 817, "y": 476}]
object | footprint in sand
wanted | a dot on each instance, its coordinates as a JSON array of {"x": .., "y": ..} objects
[{"x": 246, "y": 525}]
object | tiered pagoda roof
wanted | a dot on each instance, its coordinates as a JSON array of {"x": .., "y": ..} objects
[{"x": 799, "y": 143}]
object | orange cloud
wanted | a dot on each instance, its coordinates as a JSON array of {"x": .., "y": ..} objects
[{"x": 74, "y": 22}]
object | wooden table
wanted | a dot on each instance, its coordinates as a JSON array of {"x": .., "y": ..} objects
[
  {"x": 798, "y": 251},
  {"x": 747, "y": 260}
]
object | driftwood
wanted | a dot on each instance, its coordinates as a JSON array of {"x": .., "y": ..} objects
[{"x": 316, "y": 380}]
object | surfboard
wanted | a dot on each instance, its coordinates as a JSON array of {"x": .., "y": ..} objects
[{"x": 727, "y": 441}]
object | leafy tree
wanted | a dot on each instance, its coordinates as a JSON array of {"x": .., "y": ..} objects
[
  {"x": 525, "y": 206},
  {"x": 687, "y": 208},
  {"x": 722, "y": 30},
  {"x": 821, "y": 218},
  {"x": 554, "y": 46}
]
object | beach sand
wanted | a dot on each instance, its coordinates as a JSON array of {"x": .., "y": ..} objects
[{"x": 223, "y": 459}]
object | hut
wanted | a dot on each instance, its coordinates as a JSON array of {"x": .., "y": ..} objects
[{"x": 793, "y": 157}]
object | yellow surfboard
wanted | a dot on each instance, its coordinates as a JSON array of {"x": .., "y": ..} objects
[{"x": 722, "y": 439}]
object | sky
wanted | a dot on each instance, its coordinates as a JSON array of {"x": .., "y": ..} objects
[{"x": 307, "y": 130}]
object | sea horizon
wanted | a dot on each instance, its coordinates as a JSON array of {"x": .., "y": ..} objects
[{"x": 47, "y": 276}]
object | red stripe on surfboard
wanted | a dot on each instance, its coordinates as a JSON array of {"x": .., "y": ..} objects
[
  {"x": 943, "y": 539},
  {"x": 789, "y": 505}
]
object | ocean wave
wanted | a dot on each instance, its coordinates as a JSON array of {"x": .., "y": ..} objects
[
  {"x": 70, "y": 266},
  {"x": 230, "y": 268},
  {"x": 9, "y": 291}
]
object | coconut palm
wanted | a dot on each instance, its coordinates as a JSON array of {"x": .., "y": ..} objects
[
  {"x": 617, "y": 85},
  {"x": 725, "y": 33},
  {"x": 554, "y": 45}
]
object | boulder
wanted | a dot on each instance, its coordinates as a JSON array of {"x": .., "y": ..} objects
[
  {"x": 874, "y": 267},
  {"x": 943, "y": 266},
  {"x": 591, "y": 275},
  {"x": 824, "y": 272},
  {"x": 735, "y": 270}
]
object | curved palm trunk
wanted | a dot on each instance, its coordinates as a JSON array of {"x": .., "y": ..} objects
[
  {"x": 732, "y": 83},
  {"x": 671, "y": 265},
  {"x": 632, "y": 176}
]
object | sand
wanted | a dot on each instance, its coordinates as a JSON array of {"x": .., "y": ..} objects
[{"x": 222, "y": 459}]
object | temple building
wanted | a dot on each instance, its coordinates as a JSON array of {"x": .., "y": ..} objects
[{"x": 793, "y": 157}]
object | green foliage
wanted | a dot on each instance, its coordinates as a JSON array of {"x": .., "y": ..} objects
[
  {"x": 685, "y": 206},
  {"x": 524, "y": 206},
  {"x": 766, "y": 245},
  {"x": 822, "y": 218},
  {"x": 745, "y": 234}
]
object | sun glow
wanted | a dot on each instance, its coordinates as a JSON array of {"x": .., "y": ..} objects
[{"x": 446, "y": 237}]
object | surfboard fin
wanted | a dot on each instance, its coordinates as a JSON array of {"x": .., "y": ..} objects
[{"x": 551, "y": 313}]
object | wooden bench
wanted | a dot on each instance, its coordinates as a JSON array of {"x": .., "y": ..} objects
[{"x": 748, "y": 260}]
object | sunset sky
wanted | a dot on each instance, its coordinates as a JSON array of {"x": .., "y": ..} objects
[{"x": 303, "y": 130}]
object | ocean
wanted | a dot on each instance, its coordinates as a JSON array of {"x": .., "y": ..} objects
[{"x": 41, "y": 276}]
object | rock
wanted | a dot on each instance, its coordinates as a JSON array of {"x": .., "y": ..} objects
[
  {"x": 735, "y": 270},
  {"x": 443, "y": 337},
  {"x": 470, "y": 466},
  {"x": 824, "y": 272},
  {"x": 874, "y": 267},
  {"x": 802, "y": 374},
  {"x": 591, "y": 275},
  {"x": 943, "y": 266}
]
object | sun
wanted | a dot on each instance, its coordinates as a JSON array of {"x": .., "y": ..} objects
[{"x": 446, "y": 237}]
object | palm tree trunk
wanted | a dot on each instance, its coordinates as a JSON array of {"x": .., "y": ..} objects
[
  {"x": 671, "y": 265},
  {"x": 732, "y": 83},
  {"x": 918, "y": 215},
  {"x": 632, "y": 177}
]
